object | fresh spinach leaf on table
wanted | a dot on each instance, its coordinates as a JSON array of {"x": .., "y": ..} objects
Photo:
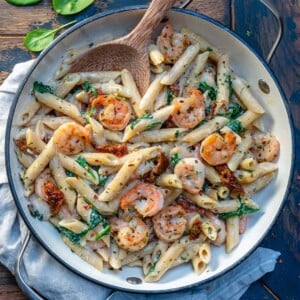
[
  {"x": 23, "y": 2},
  {"x": 70, "y": 7},
  {"x": 38, "y": 39}
]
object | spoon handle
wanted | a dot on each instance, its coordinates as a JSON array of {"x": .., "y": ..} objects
[{"x": 141, "y": 34}]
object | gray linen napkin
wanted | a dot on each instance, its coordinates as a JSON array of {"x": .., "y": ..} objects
[{"x": 54, "y": 281}]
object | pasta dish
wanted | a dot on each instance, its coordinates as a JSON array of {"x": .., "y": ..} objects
[{"x": 151, "y": 180}]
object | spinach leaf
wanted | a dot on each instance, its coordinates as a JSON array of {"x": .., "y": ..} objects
[
  {"x": 146, "y": 116},
  {"x": 70, "y": 7},
  {"x": 212, "y": 92},
  {"x": 42, "y": 88},
  {"x": 170, "y": 96},
  {"x": 83, "y": 163},
  {"x": 244, "y": 209},
  {"x": 72, "y": 236},
  {"x": 234, "y": 111},
  {"x": 175, "y": 158},
  {"x": 87, "y": 86},
  {"x": 69, "y": 173},
  {"x": 102, "y": 180},
  {"x": 23, "y": 2},
  {"x": 236, "y": 126},
  {"x": 38, "y": 39},
  {"x": 95, "y": 219},
  {"x": 38, "y": 215}
]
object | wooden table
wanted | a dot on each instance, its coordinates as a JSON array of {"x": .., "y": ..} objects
[{"x": 254, "y": 24}]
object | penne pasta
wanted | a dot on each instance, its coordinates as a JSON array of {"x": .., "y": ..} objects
[
  {"x": 60, "y": 105},
  {"x": 29, "y": 111},
  {"x": 132, "y": 89},
  {"x": 120, "y": 179},
  {"x": 232, "y": 237},
  {"x": 181, "y": 65},
  {"x": 244, "y": 94},
  {"x": 205, "y": 130}
]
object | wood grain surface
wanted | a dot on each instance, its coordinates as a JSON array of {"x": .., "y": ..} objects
[{"x": 258, "y": 28}]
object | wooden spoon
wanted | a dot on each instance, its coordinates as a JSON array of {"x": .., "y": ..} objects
[{"x": 130, "y": 51}]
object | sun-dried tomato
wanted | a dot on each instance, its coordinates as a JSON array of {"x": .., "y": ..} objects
[
  {"x": 118, "y": 150},
  {"x": 229, "y": 180},
  {"x": 55, "y": 197}
]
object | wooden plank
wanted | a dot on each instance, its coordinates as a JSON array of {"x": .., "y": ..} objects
[
  {"x": 8, "y": 286},
  {"x": 15, "y": 22},
  {"x": 261, "y": 36},
  {"x": 12, "y": 51},
  {"x": 284, "y": 236}
]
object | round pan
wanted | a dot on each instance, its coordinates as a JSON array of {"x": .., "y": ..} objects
[{"x": 245, "y": 63}]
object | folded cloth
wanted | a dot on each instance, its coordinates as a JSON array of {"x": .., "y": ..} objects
[{"x": 54, "y": 281}]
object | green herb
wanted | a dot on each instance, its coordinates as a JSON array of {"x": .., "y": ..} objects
[
  {"x": 69, "y": 173},
  {"x": 102, "y": 233},
  {"x": 244, "y": 209},
  {"x": 229, "y": 81},
  {"x": 36, "y": 214},
  {"x": 102, "y": 179},
  {"x": 70, "y": 7},
  {"x": 234, "y": 111},
  {"x": 212, "y": 92},
  {"x": 152, "y": 269},
  {"x": 175, "y": 158},
  {"x": 146, "y": 116},
  {"x": 87, "y": 86},
  {"x": 236, "y": 126},
  {"x": 177, "y": 134},
  {"x": 90, "y": 112},
  {"x": 38, "y": 39},
  {"x": 42, "y": 88},
  {"x": 23, "y": 2},
  {"x": 209, "y": 49},
  {"x": 153, "y": 125},
  {"x": 170, "y": 96}
]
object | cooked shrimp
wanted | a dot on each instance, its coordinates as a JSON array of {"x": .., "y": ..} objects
[
  {"x": 189, "y": 112},
  {"x": 71, "y": 138},
  {"x": 191, "y": 173},
  {"x": 265, "y": 147},
  {"x": 47, "y": 190},
  {"x": 171, "y": 44},
  {"x": 217, "y": 149},
  {"x": 146, "y": 199},
  {"x": 114, "y": 114},
  {"x": 170, "y": 223},
  {"x": 130, "y": 234},
  {"x": 220, "y": 227}
]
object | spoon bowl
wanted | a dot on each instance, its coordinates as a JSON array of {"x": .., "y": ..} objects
[{"x": 129, "y": 52}]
